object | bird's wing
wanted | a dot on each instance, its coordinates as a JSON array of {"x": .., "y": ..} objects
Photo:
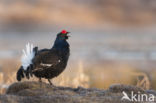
[{"x": 46, "y": 58}]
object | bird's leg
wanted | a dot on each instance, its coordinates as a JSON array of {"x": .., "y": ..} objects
[
  {"x": 40, "y": 81},
  {"x": 50, "y": 82}
]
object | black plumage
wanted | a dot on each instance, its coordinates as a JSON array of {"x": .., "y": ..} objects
[{"x": 48, "y": 63}]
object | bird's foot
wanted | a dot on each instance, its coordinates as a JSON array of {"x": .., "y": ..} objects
[{"x": 51, "y": 83}]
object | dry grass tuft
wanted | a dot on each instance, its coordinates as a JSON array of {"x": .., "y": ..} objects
[
  {"x": 99, "y": 76},
  {"x": 80, "y": 78},
  {"x": 143, "y": 81}
]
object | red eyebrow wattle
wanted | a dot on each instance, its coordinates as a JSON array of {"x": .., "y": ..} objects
[{"x": 63, "y": 31}]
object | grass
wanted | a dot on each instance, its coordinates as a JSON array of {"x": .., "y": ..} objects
[{"x": 78, "y": 74}]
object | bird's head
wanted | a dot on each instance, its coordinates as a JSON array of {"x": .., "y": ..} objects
[{"x": 63, "y": 35}]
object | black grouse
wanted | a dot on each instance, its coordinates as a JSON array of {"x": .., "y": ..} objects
[{"x": 45, "y": 63}]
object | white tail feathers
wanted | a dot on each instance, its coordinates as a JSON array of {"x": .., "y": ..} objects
[{"x": 28, "y": 55}]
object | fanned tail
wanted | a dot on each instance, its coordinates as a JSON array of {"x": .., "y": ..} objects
[
  {"x": 27, "y": 65},
  {"x": 27, "y": 56}
]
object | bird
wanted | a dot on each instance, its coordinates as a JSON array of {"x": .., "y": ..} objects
[{"x": 45, "y": 63}]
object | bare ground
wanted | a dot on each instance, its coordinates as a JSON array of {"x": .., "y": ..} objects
[{"x": 34, "y": 92}]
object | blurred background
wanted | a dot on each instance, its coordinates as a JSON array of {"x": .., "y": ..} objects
[{"x": 112, "y": 41}]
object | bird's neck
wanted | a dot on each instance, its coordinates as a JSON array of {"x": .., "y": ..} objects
[
  {"x": 60, "y": 44},
  {"x": 62, "y": 47}
]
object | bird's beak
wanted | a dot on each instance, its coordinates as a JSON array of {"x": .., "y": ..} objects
[
  {"x": 67, "y": 36},
  {"x": 68, "y": 33}
]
